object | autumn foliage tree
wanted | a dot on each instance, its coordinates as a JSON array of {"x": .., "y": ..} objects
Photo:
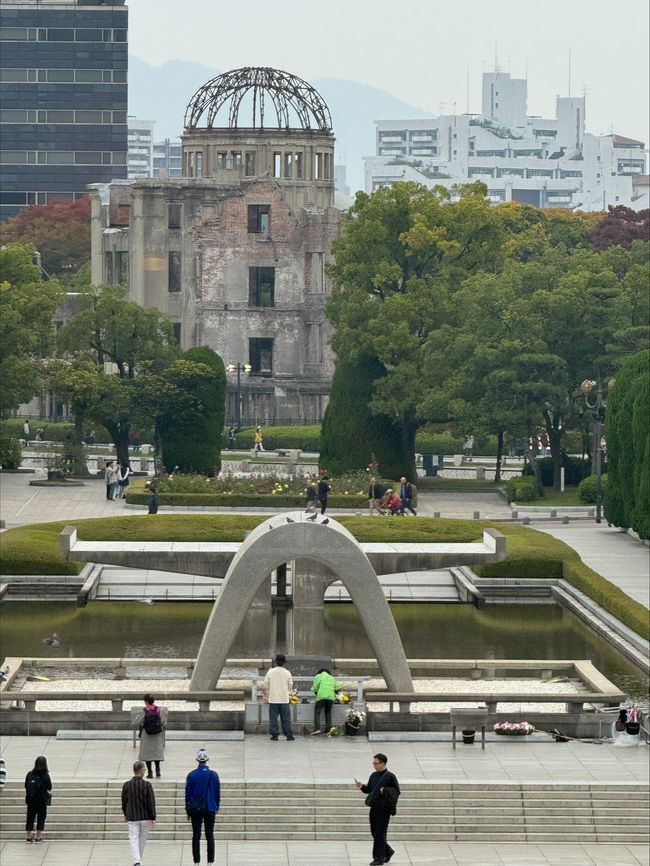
[
  {"x": 620, "y": 227},
  {"x": 59, "y": 231}
]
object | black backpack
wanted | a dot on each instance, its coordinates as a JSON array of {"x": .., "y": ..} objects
[
  {"x": 34, "y": 787},
  {"x": 152, "y": 723}
]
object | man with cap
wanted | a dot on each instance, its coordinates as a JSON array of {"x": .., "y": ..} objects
[{"x": 202, "y": 796}]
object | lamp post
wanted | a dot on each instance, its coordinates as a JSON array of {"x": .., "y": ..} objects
[
  {"x": 239, "y": 369},
  {"x": 597, "y": 407}
]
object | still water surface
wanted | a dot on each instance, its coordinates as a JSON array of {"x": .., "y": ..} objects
[{"x": 175, "y": 629}]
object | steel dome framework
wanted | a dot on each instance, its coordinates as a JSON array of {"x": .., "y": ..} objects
[{"x": 288, "y": 95}]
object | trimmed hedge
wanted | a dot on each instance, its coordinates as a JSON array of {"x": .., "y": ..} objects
[
  {"x": 244, "y": 500},
  {"x": 575, "y": 469},
  {"x": 521, "y": 489},
  {"x": 609, "y": 596},
  {"x": 33, "y": 549},
  {"x": 305, "y": 438},
  {"x": 59, "y": 431},
  {"x": 588, "y": 489},
  {"x": 10, "y": 451}
]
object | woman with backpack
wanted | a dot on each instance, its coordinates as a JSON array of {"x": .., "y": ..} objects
[
  {"x": 37, "y": 798},
  {"x": 151, "y": 724}
]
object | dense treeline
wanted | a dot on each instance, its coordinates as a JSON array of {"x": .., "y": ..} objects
[{"x": 486, "y": 318}]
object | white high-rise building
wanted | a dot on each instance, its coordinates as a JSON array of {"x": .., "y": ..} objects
[
  {"x": 140, "y": 139},
  {"x": 547, "y": 162}
]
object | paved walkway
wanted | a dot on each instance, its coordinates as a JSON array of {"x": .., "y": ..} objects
[
  {"x": 612, "y": 553},
  {"x": 21, "y": 504},
  {"x": 326, "y": 854},
  {"x": 311, "y": 759}
]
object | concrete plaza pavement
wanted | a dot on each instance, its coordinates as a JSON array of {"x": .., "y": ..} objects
[
  {"x": 310, "y": 759},
  {"x": 22, "y": 504},
  {"x": 91, "y": 853}
]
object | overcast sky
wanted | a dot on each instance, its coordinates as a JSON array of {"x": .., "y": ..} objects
[{"x": 420, "y": 50}]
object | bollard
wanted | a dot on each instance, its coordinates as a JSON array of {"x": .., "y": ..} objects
[
  {"x": 514, "y": 514},
  {"x": 477, "y": 515},
  {"x": 546, "y": 675},
  {"x": 476, "y": 674},
  {"x": 565, "y": 519},
  {"x": 526, "y": 521},
  {"x": 119, "y": 673},
  {"x": 436, "y": 514},
  {"x": 553, "y": 512}
]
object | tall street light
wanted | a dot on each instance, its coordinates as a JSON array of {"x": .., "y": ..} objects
[
  {"x": 597, "y": 407},
  {"x": 239, "y": 369}
]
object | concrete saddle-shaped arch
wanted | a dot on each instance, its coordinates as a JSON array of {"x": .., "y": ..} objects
[{"x": 295, "y": 536}]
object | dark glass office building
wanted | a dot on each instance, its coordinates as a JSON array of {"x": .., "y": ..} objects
[{"x": 63, "y": 98}]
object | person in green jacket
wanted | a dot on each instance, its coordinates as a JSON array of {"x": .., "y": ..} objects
[{"x": 325, "y": 688}]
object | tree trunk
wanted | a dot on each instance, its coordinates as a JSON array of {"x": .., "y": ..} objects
[
  {"x": 120, "y": 436},
  {"x": 497, "y": 472},
  {"x": 158, "y": 456},
  {"x": 531, "y": 457},
  {"x": 552, "y": 423},
  {"x": 409, "y": 429},
  {"x": 78, "y": 433}
]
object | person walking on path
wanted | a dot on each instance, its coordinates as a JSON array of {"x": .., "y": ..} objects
[
  {"x": 202, "y": 798},
  {"x": 153, "y": 501},
  {"x": 151, "y": 724},
  {"x": 110, "y": 477},
  {"x": 278, "y": 684},
  {"x": 375, "y": 493},
  {"x": 325, "y": 688},
  {"x": 468, "y": 447},
  {"x": 259, "y": 439},
  {"x": 382, "y": 792},
  {"x": 139, "y": 810},
  {"x": 311, "y": 493},
  {"x": 38, "y": 785},
  {"x": 322, "y": 493},
  {"x": 406, "y": 495}
]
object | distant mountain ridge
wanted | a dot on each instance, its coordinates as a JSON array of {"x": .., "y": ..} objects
[{"x": 162, "y": 93}]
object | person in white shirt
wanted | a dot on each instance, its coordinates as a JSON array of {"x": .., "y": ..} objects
[{"x": 278, "y": 684}]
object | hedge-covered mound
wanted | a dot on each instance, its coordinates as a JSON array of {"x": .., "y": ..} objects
[
  {"x": 627, "y": 496},
  {"x": 531, "y": 554}
]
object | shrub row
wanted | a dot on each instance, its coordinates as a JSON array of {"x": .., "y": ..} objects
[
  {"x": 575, "y": 469},
  {"x": 588, "y": 489},
  {"x": 632, "y": 613},
  {"x": 305, "y": 438},
  {"x": 244, "y": 500},
  {"x": 59, "y": 431},
  {"x": 521, "y": 489},
  {"x": 10, "y": 451}
]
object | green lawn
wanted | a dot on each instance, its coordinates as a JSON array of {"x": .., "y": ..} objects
[
  {"x": 552, "y": 498},
  {"x": 33, "y": 549}
]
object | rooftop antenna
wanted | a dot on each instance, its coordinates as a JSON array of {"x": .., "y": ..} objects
[
  {"x": 496, "y": 58},
  {"x": 569, "y": 73}
]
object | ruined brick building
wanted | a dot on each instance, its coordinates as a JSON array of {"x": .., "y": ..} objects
[{"x": 235, "y": 251}]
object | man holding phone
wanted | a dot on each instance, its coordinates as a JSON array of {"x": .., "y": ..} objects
[{"x": 382, "y": 792}]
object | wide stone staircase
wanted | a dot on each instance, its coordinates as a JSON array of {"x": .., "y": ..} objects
[{"x": 282, "y": 810}]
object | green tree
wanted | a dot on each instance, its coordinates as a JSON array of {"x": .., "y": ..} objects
[
  {"x": 27, "y": 307},
  {"x": 120, "y": 338},
  {"x": 191, "y": 431},
  {"x": 628, "y": 446},
  {"x": 351, "y": 436},
  {"x": 402, "y": 254}
]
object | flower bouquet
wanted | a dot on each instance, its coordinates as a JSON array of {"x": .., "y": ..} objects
[
  {"x": 353, "y": 722},
  {"x": 294, "y": 697},
  {"x": 342, "y": 698},
  {"x": 513, "y": 729}
]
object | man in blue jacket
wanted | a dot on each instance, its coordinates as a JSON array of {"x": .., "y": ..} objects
[{"x": 202, "y": 796}]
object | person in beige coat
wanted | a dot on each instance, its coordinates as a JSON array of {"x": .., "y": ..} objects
[
  {"x": 151, "y": 724},
  {"x": 278, "y": 684}
]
